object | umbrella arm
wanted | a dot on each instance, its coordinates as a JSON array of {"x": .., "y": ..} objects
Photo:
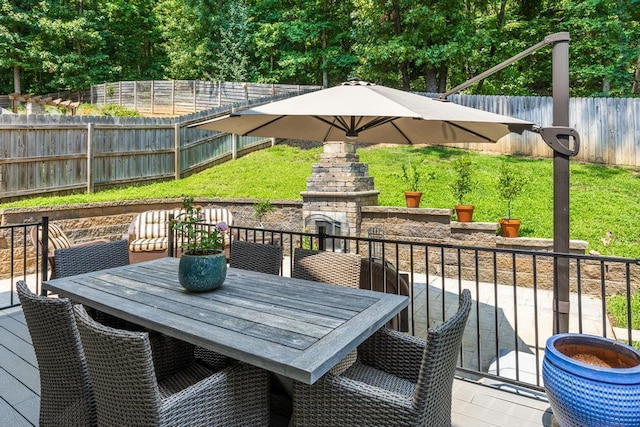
[{"x": 555, "y": 137}]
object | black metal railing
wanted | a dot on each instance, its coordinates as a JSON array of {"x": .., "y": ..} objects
[
  {"x": 21, "y": 260},
  {"x": 512, "y": 290}
]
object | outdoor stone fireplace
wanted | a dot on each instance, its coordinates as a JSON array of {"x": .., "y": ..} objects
[{"x": 337, "y": 189}]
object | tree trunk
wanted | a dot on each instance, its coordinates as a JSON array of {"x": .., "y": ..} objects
[
  {"x": 16, "y": 79},
  {"x": 431, "y": 81},
  {"x": 636, "y": 80},
  {"x": 492, "y": 49}
]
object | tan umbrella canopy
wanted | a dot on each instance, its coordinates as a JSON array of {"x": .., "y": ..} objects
[{"x": 365, "y": 112}]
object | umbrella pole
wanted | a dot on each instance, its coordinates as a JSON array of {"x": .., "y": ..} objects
[
  {"x": 558, "y": 138},
  {"x": 560, "y": 69}
]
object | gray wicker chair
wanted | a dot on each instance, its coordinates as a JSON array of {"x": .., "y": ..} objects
[
  {"x": 66, "y": 395},
  {"x": 169, "y": 354},
  {"x": 399, "y": 380},
  {"x": 85, "y": 259},
  {"x": 128, "y": 393},
  {"x": 256, "y": 257},
  {"x": 329, "y": 267}
]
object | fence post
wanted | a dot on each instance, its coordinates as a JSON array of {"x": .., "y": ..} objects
[
  {"x": 234, "y": 146},
  {"x": 176, "y": 151},
  {"x": 195, "y": 98},
  {"x": 152, "y": 95},
  {"x": 173, "y": 97},
  {"x": 90, "y": 127}
]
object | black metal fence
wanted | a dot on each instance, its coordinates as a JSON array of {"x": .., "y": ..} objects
[{"x": 513, "y": 294}]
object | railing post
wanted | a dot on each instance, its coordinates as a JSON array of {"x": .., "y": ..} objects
[
  {"x": 322, "y": 238},
  {"x": 45, "y": 252},
  {"x": 171, "y": 237}
]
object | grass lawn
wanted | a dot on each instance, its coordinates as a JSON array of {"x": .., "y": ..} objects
[{"x": 604, "y": 206}]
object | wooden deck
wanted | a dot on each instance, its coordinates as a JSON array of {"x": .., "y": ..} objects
[{"x": 473, "y": 404}]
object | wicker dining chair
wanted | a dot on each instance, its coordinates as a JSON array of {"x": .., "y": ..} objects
[
  {"x": 85, "y": 259},
  {"x": 258, "y": 257},
  {"x": 127, "y": 391},
  {"x": 169, "y": 354},
  {"x": 66, "y": 395},
  {"x": 329, "y": 267},
  {"x": 398, "y": 380}
]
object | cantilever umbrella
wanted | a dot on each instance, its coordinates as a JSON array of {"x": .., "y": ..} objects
[{"x": 364, "y": 112}]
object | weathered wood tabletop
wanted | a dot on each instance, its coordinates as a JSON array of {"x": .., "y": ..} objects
[{"x": 296, "y": 328}]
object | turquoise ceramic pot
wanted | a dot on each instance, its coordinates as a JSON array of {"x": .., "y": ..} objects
[{"x": 200, "y": 273}]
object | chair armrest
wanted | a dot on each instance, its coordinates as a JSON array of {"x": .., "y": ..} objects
[
  {"x": 92, "y": 242},
  {"x": 240, "y": 389},
  {"x": 394, "y": 352},
  {"x": 348, "y": 402}
]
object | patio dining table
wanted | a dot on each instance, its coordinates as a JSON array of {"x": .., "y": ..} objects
[{"x": 295, "y": 328}]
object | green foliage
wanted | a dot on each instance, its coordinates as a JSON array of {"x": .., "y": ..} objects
[
  {"x": 412, "y": 174},
  {"x": 261, "y": 209},
  {"x": 617, "y": 309},
  {"x": 510, "y": 184},
  {"x": 194, "y": 237},
  {"x": 51, "y": 46},
  {"x": 463, "y": 182},
  {"x": 117, "y": 110},
  {"x": 106, "y": 110},
  {"x": 598, "y": 192}
]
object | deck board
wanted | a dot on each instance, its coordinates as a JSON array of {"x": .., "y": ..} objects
[{"x": 474, "y": 405}]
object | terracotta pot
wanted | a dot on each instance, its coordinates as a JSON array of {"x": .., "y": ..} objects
[
  {"x": 510, "y": 227},
  {"x": 464, "y": 213},
  {"x": 412, "y": 198}
]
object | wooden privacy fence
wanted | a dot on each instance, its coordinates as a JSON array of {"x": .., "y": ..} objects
[
  {"x": 179, "y": 97},
  {"x": 48, "y": 154},
  {"x": 609, "y": 128},
  {"x": 52, "y": 154}
]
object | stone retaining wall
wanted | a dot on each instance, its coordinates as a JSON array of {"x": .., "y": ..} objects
[{"x": 111, "y": 220}]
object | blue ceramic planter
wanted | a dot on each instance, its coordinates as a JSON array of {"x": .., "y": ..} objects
[
  {"x": 200, "y": 273},
  {"x": 582, "y": 394}
]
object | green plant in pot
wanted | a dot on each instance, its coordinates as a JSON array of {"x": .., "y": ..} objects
[
  {"x": 203, "y": 264},
  {"x": 413, "y": 176},
  {"x": 463, "y": 183},
  {"x": 261, "y": 209},
  {"x": 510, "y": 185}
]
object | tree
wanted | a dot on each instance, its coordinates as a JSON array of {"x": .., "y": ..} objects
[{"x": 17, "y": 28}]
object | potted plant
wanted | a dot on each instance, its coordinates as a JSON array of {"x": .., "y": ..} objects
[
  {"x": 510, "y": 185},
  {"x": 591, "y": 380},
  {"x": 261, "y": 209},
  {"x": 463, "y": 183},
  {"x": 412, "y": 176},
  {"x": 203, "y": 265}
]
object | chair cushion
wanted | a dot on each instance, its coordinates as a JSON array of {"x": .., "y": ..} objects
[
  {"x": 146, "y": 245},
  {"x": 377, "y": 378},
  {"x": 57, "y": 239},
  {"x": 152, "y": 224}
]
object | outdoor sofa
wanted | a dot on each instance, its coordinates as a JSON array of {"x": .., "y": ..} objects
[{"x": 148, "y": 233}]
